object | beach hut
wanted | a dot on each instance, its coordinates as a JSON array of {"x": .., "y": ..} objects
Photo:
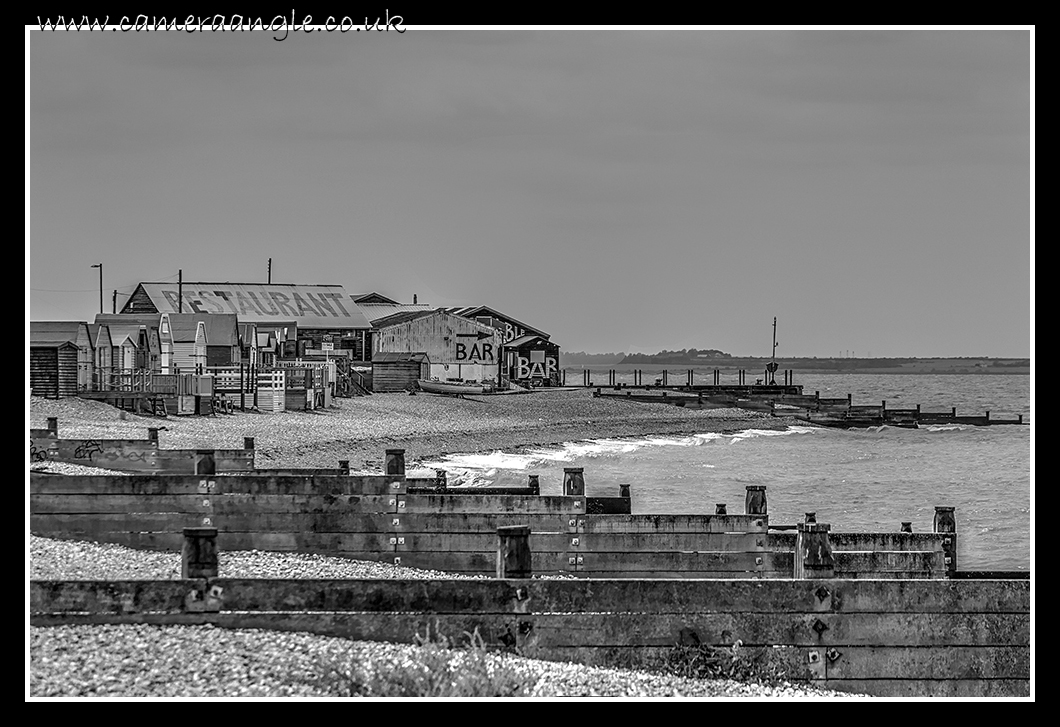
[
  {"x": 47, "y": 334},
  {"x": 53, "y": 368},
  {"x": 135, "y": 341},
  {"x": 399, "y": 371},
  {"x": 183, "y": 343}
]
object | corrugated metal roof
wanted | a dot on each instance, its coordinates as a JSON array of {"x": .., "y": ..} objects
[
  {"x": 51, "y": 331},
  {"x": 372, "y": 298},
  {"x": 220, "y": 327},
  {"x": 391, "y": 357},
  {"x": 523, "y": 340},
  {"x": 51, "y": 343},
  {"x": 405, "y": 317},
  {"x": 374, "y": 311},
  {"x": 470, "y": 311},
  {"x": 310, "y": 306}
]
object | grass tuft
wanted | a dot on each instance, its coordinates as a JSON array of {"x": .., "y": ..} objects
[{"x": 440, "y": 669}]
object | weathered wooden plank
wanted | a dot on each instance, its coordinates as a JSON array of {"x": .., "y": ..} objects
[
  {"x": 866, "y": 541},
  {"x": 544, "y": 504},
  {"x": 691, "y": 562},
  {"x": 99, "y": 597},
  {"x": 929, "y": 596},
  {"x": 885, "y": 561},
  {"x": 338, "y": 544},
  {"x": 222, "y": 504},
  {"x": 243, "y": 484},
  {"x": 474, "y": 563},
  {"x": 955, "y": 688},
  {"x": 911, "y": 662},
  {"x": 580, "y": 543},
  {"x": 89, "y": 524},
  {"x": 673, "y": 524},
  {"x": 832, "y": 598}
]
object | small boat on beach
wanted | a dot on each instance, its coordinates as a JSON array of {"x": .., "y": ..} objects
[{"x": 453, "y": 388}]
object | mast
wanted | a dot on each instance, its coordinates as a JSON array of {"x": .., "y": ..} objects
[{"x": 773, "y": 360}]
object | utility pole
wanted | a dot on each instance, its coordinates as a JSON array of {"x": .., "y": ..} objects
[
  {"x": 114, "y": 302},
  {"x": 180, "y": 291},
  {"x": 100, "y": 266},
  {"x": 270, "y": 271}
]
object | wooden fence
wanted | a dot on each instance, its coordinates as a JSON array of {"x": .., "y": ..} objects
[{"x": 968, "y": 638}]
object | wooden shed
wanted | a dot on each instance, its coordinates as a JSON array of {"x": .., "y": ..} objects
[
  {"x": 459, "y": 349},
  {"x": 50, "y": 333},
  {"x": 532, "y": 360},
  {"x": 53, "y": 369},
  {"x": 398, "y": 371}
]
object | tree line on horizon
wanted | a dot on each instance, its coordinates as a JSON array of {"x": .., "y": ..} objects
[{"x": 693, "y": 355}]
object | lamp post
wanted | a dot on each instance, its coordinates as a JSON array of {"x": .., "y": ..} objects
[{"x": 100, "y": 266}]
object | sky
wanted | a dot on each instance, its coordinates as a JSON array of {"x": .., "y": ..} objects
[{"x": 625, "y": 190}]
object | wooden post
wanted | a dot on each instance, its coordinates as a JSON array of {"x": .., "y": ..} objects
[
  {"x": 573, "y": 481},
  {"x": 946, "y": 522},
  {"x": 344, "y": 466},
  {"x": 811, "y": 517},
  {"x": 395, "y": 462},
  {"x": 953, "y": 411},
  {"x": 513, "y": 552},
  {"x": 198, "y": 555},
  {"x": 152, "y": 434},
  {"x": 534, "y": 483},
  {"x": 53, "y": 426},
  {"x": 204, "y": 462},
  {"x": 850, "y": 400},
  {"x": 813, "y": 551},
  {"x": 623, "y": 491},
  {"x": 441, "y": 480},
  {"x": 719, "y": 509},
  {"x": 248, "y": 442},
  {"x": 907, "y": 526},
  {"x": 756, "y": 500}
]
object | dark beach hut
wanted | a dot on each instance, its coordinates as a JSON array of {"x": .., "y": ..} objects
[
  {"x": 398, "y": 371},
  {"x": 53, "y": 368}
]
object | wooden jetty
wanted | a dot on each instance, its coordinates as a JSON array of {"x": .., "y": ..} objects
[{"x": 785, "y": 399}]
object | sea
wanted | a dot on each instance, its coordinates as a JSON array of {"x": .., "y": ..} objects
[{"x": 856, "y": 480}]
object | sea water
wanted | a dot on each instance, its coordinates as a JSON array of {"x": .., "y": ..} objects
[{"x": 857, "y": 480}]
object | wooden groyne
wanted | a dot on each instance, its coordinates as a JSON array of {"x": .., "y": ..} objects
[
  {"x": 425, "y": 523},
  {"x": 878, "y": 613},
  {"x": 965, "y": 638}
]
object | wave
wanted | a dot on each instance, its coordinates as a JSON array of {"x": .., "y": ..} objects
[{"x": 487, "y": 463}]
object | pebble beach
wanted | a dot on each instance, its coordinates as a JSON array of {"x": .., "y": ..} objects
[{"x": 203, "y": 662}]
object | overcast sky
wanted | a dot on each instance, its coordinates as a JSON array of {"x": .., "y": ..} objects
[{"x": 623, "y": 190}]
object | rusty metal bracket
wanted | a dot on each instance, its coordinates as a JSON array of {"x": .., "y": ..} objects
[
  {"x": 833, "y": 654},
  {"x": 819, "y": 626},
  {"x": 822, "y": 593},
  {"x": 814, "y": 657}
]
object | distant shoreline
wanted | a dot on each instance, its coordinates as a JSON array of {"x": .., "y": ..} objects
[{"x": 729, "y": 367}]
